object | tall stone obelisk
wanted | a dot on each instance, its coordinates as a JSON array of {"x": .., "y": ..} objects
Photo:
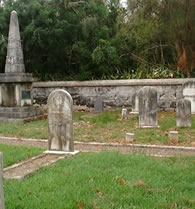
[
  {"x": 14, "y": 59},
  {"x": 16, "y": 102}
]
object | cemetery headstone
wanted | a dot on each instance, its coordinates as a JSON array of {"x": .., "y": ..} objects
[
  {"x": 188, "y": 90},
  {"x": 135, "y": 104},
  {"x": 148, "y": 107},
  {"x": 2, "y": 204},
  {"x": 173, "y": 136},
  {"x": 129, "y": 137},
  {"x": 60, "y": 121},
  {"x": 183, "y": 113},
  {"x": 99, "y": 104},
  {"x": 124, "y": 114}
]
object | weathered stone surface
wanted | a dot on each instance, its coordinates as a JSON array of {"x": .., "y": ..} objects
[
  {"x": 148, "y": 107},
  {"x": 60, "y": 121},
  {"x": 183, "y": 113},
  {"x": 15, "y": 94},
  {"x": 173, "y": 136},
  {"x": 129, "y": 137},
  {"x": 189, "y": 93},
  {"x": 99, "y": 104},
  {"x": 135, "y": 104},
  {"x": 2, "y": 204},
  {"x": 16, "y": 77},
  {"x": 16, "y": 114},
  {"x": 115, "y": 93},
  {"x": 15, "y": 84},
  {"x": 14, "y": 59},
  {"x": 124, "y": 114}
]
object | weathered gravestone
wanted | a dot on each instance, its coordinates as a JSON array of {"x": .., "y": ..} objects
[
  {"x": 99, "y": 104},
  {"x": 183, "y": 113},
  {"x": 2, "y": 204},
  {"x": 129, "y": 137},
  {"x": 135, "y": 104},
  {"x": 188, "y": 90},
  {"x": 148, "y": 107},
  {"x": 60, "y": 121},
  {"x": 124, "y": 114},
  {"x": 173, "y": 136}
]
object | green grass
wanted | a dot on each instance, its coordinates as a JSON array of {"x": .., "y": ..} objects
[
  {"x": 13, "y": 154},
  {"x": 107, "y": 127},
  {"x": 106, "y": 180},
  {"x": 35, "y": 129}
]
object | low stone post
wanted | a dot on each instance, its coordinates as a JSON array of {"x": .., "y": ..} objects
[
  {"x": 183, "y": 113},
  {"x": 173, "y": 136},
  {"x": 124, "y": 115},
  {"x": 2, "y": 204},
  {"x": 129, "y": 137},
  {"x": 148, "y": 107}
]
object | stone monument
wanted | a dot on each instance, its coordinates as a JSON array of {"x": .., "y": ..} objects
[
  {"x": 148, "y": 107},
  {"x": 60, "y": 121},
  {"x": 183, "y": 113},
  {"x": 16, "y": 102}
]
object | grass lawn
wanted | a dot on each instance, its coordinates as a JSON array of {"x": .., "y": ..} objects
[
  {"x": 13, "y": 154},
  {"x": 107, "y": 127},
  {"x": 107, "y": 180}
]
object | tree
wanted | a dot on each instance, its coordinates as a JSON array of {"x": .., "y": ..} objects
[
  {"x": 180, "y": 14},
  {"x": 164, "y": 29},
  {"x": 59, "y": 36}
]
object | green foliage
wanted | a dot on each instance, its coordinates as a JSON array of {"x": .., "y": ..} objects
[
  {"x": 104, "y": 53},
  {"x": 89, "y": 39}
]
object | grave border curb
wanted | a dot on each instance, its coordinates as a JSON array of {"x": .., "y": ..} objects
[{"x": 159, "y": 150}]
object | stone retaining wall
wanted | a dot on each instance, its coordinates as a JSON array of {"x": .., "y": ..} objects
[{"x": 115, "y": 93}]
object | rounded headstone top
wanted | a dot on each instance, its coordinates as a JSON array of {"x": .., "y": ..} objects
[
  {"x": 147, "y": 90},
  {"x": 188, "y": 88},
  {"x": 14, "y": 12},
  {"x": 59, "y": 91}
]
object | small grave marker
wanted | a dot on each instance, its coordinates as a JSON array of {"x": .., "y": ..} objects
[
  {"x": 173, "y": 136},
  {"x": 129, "y": 137},
  {"x": 124, "y": 115}
]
